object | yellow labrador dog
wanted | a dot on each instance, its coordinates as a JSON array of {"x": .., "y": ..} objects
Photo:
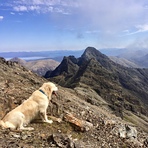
[{"x": 33, "y": 107}]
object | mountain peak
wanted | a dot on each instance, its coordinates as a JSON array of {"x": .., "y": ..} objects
[
  {"x": 90, "y": 49},
  {"x": 93, "y": 53}
]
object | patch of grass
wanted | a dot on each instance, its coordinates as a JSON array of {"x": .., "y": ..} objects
[{"x": 129, "y": 117}]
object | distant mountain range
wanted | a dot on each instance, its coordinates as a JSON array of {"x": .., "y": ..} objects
[
  {"x": 128, "y": 57},
  {"x": 132, "y": 61},
  {"x": 124, "y": 56},
  {"x": 58, "y": 55},
  {"x": 125, "y": 62},
  {"x": 123, "y": 88}
]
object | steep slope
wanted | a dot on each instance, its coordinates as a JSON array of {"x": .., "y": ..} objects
[
  {"x": 17, "y": 84},
  {"x": 132, "y": 54},
  {"x": 38, "y": 66},
  {"x": 124, "y": 62},
  {"x": 129, "y": 57},
  {"x": 143, "y": 61},
  {"x": 123, "y": 88},
  {"x": 67, "y": 66}
]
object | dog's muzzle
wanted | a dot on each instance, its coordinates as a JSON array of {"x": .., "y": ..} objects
[{"x": 54, "y": 93}]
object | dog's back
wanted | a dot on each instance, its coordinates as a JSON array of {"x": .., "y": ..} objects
[{"x": 21, "y": 115}]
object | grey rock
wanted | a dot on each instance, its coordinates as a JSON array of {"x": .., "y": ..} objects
[
  {"x": 128, "y": 132},
  {"x": 63, "y": 141},
  {"x": 131, "y": 132}
]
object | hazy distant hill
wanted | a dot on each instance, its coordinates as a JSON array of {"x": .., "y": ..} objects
[
  {"x": 38, "y": 66},
  {"x": 134, "y": 57},
  {"x": 113, "y": 51},
  {"x": 142, "y": 61},
  {"x": 124, "y": 62},
  {"x": 123, "y": 88},
  {"x": 127, "y": 53},
  {"x": 57, "y": 54}
]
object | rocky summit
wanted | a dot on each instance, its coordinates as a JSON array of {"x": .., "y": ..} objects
[{"x": 83, "y": 115}]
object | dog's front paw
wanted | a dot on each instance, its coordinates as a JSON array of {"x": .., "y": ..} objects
[
  {"x": 49, "y": 121},
  {"x": 30, "y": 128},
  {"x": 27, "y": 128}
]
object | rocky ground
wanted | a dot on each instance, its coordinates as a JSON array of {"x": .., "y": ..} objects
[{"x": 102, "y": 128}]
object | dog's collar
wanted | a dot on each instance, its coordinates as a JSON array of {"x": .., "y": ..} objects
[{"x": 43, "y": 92}]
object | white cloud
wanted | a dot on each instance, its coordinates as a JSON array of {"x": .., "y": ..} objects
[
  {"x": 20, "y": 8},
  {"x": 12, "y": 13},
  {"x": 37, "y": 2},
  {"x": 139, "y": 43},
  {"x": 139, "y": 29},
  {"x": 44, "y": 6},
  {"x": 45, "y": 2},
  {"x": 112, "y": 16},
  {"x": 1, "y": 18},
  {"x": 92, "y": 31},
  {"x": 34, "y": 8},
  {"x": 142, "y": 28}
]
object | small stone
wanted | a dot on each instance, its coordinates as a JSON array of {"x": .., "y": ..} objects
[
  {"x": 43, "y": 136},
  {"x": 16, "y": 136},
  {"x": 59, "y": 131},
  {"x": 24, "y": 137}
]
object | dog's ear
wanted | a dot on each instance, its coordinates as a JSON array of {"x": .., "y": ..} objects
[
  {"x": 50, "y": 88},
  {"x": 47, "y": 89}
]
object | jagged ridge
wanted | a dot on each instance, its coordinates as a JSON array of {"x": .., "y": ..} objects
[{"x": 124, "y": 88}]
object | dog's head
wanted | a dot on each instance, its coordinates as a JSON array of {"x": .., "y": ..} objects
[{"x": 49, "y": 88}]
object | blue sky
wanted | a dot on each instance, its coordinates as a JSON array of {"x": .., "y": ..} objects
[{"x": 35, "y": 25}]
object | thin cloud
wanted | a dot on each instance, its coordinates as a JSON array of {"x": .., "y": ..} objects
[
  {"x": 31, "y": 8},
  {"x": 113, "y": 16},
  {"x": 92, "y": 32},
  {"x": 34, "y": 8},
  {"x": 43, "y": 6},
  {"x": 106, "y": 15},
  {"x": 139, "y": 29},
  {"x": 12, "y": 13},
  {"x": 139, "y": 43},
  {"x": 142, "y": 28},
  {"x": 20, "y": 8},
  {"x": 101, "y": 19}
]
